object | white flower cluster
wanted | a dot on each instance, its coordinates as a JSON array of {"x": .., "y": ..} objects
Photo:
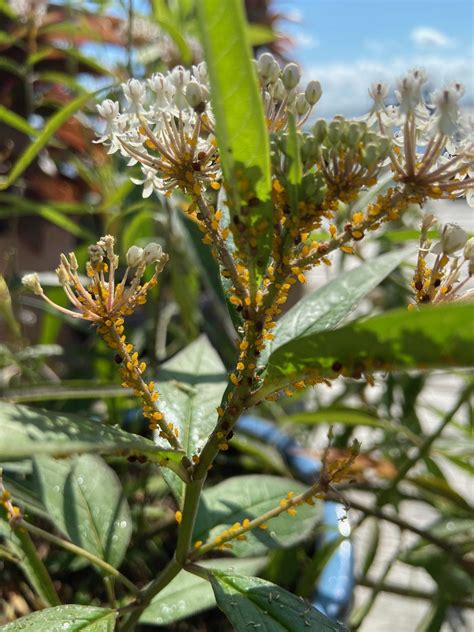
[
  {"x": 167, "y": 128},
  {"x": 433, "y": 145}
]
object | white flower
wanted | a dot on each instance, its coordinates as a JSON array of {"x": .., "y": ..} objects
[
  {"x": 151, "y": 181},
  {"x": 446, "y": 101},
  {"x": 453, "y": 238},
  {"x": 135, "y": 93},
  {"x": 409, "y": 90},
  {"x": 378, "y": 91}
]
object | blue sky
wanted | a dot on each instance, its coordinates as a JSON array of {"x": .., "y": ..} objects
[{"x": 347, "y": 44}]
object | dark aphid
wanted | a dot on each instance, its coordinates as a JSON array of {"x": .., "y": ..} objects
[{"x": 118, "y": 358}]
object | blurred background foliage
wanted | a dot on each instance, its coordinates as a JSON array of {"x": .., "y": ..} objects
[{"x": 59, "y": 192}]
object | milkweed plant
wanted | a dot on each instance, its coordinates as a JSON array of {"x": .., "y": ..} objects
[{"x": 275, "y": 193}]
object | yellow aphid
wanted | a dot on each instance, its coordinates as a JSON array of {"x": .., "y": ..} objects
[{"x": 178, "y": 516}]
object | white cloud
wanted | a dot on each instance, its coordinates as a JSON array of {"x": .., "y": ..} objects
[
  {"x": 345, "y": 84},
  {"x": 425, "y": 36},
  {"x": 307, "y": 41}
]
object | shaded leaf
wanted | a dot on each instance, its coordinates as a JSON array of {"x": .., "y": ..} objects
[
  {"x": 84, "y": 498},
  {"x": 51, "y": 126},
  {"x": 26, "y": 432}
]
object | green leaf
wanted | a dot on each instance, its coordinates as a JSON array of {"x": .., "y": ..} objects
[
  {"x": 73, "y": 618},
  {"x": 16, "y": 121},
  {"x": 19, "y": 544},
  {"x": 253, "y": 603},
  {"x": 432, "y": 337},
  {"x": 84, "y": 498},
  {"x": 249, "y": 497},
  {"x": 51, "y": 127},
  {"x": 326, "y": 307},
  {"x": 191, "y": 386},
  {"x": 26, "y": 432},
  {"x": 189, "y": 594},
  {"x": 237, "y": 105}
]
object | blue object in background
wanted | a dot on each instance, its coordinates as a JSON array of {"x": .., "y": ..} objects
[{"x": 333, "y": 593}]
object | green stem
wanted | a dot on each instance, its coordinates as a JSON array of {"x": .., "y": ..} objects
[
  {"x": 40, "y": 577},
  {"x": 424, "y": 448},
  {"x": 190, "y": 507},
  {"x": 77, "y": 550},
  {"x": 164, "y": 578}
]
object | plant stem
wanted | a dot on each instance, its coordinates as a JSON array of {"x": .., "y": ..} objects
[
  {"x": 167, "y": 574},
  {"x": 77, "y": 550},
  {"x": 45, "y": 587},
  {"x": 190, "y": 507},
  {"x": 404, "y": 525},
  {"x": 409, "y": 592},
  {"x": 425, "y": 446}
]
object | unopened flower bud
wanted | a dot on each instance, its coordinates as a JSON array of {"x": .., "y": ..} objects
[
  {"x": 152, "y": 252},
  {"x": 73, "y": 260},
  {"x": 334, "y": 131},
  {"x": 278, "y": 90},
  {"x": 469, "y": 250},
  {"x": 32, "y": 283},
  {"x": 291, "y": 76},
  {"x": 313, "y": 92},
  {"x": 268, "y": 67},
  {"x": 453, "y": 238},
  {"x": 134, "y": 256},
  {"x": 320, "y": 129},
  {"x": 353, "y": 135},
  {"x": 371, "y": 155},
  {"x": 194, "y": 94},
  {"x": 301, "y": 105},
  {"x": 63, "y": 276}
]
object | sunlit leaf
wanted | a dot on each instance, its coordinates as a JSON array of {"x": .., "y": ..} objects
[
  {"x": 72, "y": 618},
  {"x": 242, "y": 497},
  {"x": 432, "y": 337},
  {"x": 254, "y": 601}
]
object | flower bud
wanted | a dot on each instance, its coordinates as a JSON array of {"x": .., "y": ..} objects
[
  {"x": 268, "y": 67},
  {"x": 301, "y": 105},
  {"x": 291, "y": 76},
  {"x": 152, "y": 252},
  {"x": 194, "y": 94},
  {"x": 453, "y": 238},
  {"x": 320, "y": 130},
  {"x": 134, "y": 256},
  {"x": 469, "y": 250},
  {"x": 32, "y": 283},
  {"x": 371, "y": 155},
  {"x": 313, "y": 92},
  {"x": 353, "y": 135},
  {"x": 278, "y": 91}
]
